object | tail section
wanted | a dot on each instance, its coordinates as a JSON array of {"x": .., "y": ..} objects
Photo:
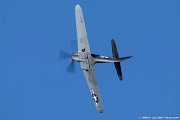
[{"x": 116, "y": 57}]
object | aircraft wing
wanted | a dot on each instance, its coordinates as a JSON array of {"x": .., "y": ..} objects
[
  {"x": 88, "y": 70},
  {"x": 83, "y": 44},
  {"x": 87, "y": 62}
]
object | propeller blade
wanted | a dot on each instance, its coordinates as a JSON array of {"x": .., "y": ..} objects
[
  {"x": 73, "y": 45},
  {"x": 63, "y": 54},
  {"x": 71, "y": 67}
]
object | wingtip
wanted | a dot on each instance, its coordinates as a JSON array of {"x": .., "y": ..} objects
[
  {"x": 100, "y": 110},
  {"x": 77, "y": 6}
]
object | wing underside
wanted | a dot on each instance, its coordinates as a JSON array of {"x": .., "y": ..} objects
[
  {"x": 83, "y": 44},
  {"x": 93, "y": 87},
  {"x": 87, "y": 64}
]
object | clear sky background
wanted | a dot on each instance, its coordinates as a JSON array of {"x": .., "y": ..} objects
[{"x": 34, "y": 84}]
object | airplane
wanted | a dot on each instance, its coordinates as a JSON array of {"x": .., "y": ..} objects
[{"x": 88, "y": 60}]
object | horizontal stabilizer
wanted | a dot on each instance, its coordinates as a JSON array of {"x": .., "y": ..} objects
[
  {"x": 118, "y": 69},
  {"x": 116, "y": 56}
]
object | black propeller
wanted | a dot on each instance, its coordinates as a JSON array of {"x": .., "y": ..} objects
[
  {"x": 71, "y": 67},
  {"x": 64, "y": 55}
]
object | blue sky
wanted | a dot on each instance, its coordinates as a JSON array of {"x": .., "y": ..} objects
[{"x": 34, "y": 84}]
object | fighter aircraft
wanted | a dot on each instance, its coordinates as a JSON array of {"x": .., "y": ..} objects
[{"x": 88, "y": 60}]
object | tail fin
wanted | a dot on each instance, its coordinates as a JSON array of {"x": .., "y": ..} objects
[{"x": 116, "y": 56}]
